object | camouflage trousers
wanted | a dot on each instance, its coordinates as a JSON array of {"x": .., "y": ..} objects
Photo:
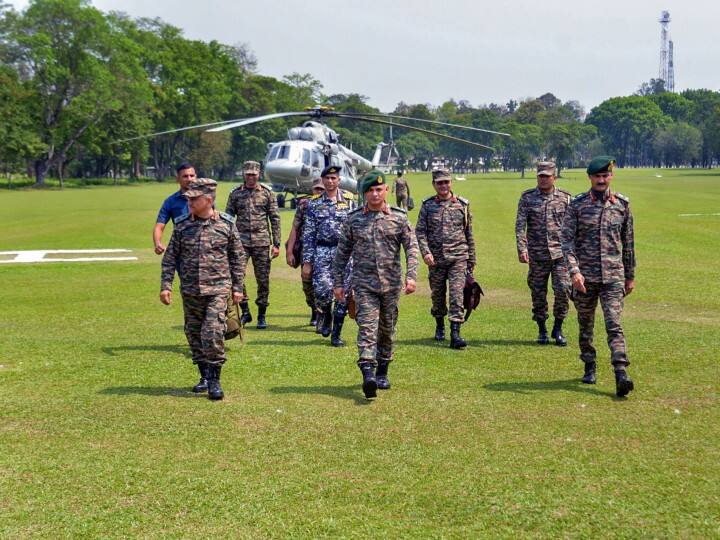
[
  {"x": 402, "y": 201},
  {"x": 442, "y": 274},
  {"x": 307, "y": 286},
  {"x": 261, "y": 268},
  {"x": 205, "y": 318},
  {"x": 376, "y": 317},
  {"x": 322, "y": 279},
  {"x": 611, "y": 297},
  {"x": 537, "y": 280}
]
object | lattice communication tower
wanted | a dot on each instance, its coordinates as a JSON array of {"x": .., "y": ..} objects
[{"x": 667, "y": 68}]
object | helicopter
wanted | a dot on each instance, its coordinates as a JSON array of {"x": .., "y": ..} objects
[{"x": 291, "y": 166}]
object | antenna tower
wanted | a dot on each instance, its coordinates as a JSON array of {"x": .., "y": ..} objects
[{"x": 666, "y": 71}]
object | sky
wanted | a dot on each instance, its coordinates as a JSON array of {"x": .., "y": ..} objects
[{"x": 422, "y": 51}]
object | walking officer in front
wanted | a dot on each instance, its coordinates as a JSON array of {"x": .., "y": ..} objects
[
  {"x": 444, "y": 235},
  {"x": 539, "y": 220},
  {"x": 599, "y": 249},
  {"x": 258, "y": 222},
  {"x": 372, "y": 236},
  {"x": 205, "y": 249},
  {"x": 325, "y": 216}
]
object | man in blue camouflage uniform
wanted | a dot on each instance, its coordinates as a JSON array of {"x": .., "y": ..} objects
[
  {"x": 599, "y": 249},
  {"x": 325, "y": 215}
]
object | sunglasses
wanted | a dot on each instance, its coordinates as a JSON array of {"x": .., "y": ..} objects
[{"x": 442, "y": 182}]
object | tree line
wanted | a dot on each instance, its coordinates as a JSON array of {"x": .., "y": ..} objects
[{"x": 75, "y": 80}]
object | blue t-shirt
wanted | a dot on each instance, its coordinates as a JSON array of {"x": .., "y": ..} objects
[{"x": 174, "y": 206}]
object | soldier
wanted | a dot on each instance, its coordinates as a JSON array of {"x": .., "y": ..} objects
[
  {"x": 372, "y": 236},
  {"x": 539, "y": 220},
  {"x": 325, "y": 216},
  {"x": 174, "y": 206},
  {"x": 598, "y": 245},
  {"x": 401, "y": 189},
  {"x": 295, "y": 240},
  {"x": 210, "y": 260},
  {"x": 444, "y": 235},
  {"x": 256, "y": 212}
]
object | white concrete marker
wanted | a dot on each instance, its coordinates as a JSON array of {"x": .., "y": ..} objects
[
  {"x": 692, "y": 215},
  {"x": 38, "y": 256}
]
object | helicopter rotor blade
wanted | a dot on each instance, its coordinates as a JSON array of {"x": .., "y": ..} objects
[
  {"x": 436, "y": 122},
  {"x": 413, "y": 128},
  {"x": 198, "y": 126},
  {"x": 248, "y": 121}
]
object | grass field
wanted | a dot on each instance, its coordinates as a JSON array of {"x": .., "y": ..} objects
[{"x": 100, "y": 436}]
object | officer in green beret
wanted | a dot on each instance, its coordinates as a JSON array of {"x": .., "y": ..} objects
[
  {"x": 599, "y": 249},
  {"x": 372, "y": 235}
]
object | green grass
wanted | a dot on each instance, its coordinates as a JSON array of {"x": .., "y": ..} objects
[{"x": 100, "y": 436}]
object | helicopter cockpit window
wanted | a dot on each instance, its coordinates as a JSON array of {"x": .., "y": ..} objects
[
  {"x": 284, "y": 152},
  {"x": 274, "y": 152},
  {"x": 317, "y": 160},
  {"x": 306, "y": 157}
]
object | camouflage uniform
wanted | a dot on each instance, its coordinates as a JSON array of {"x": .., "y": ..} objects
[
  {"x": 598, "y": 242},
  {"x": 402, "y": 192},
  {"x": 537, "y": 232},
  {"x": 256, "y": 215},
  {"x": 299, "y": 224},
  {"x": 373, "y": 240},
  {"x": 325, "y": 218},
  {"x": 444, "y": 228},
  {"x": 210, "y": 261}
]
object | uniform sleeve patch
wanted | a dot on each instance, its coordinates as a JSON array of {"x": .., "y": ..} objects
[{"x": 227, "y": 217}]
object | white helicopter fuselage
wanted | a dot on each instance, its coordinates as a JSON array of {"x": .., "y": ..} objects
[{"x": 294, "y": 164}]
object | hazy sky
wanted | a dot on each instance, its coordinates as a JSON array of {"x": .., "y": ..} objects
[{"x": 425, "y": 51}]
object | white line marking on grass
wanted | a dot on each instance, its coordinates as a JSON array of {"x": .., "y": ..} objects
[
  {"x": 38, "y": 256},
  {"x": 692, "y": 215}
]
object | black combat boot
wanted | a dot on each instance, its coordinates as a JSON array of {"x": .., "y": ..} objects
[
  {"x": 313, "y": 317},
  {"x": 383, "y": 383},
  {"x": 326, "y": 325},
  {"x": 557, "y": 334},
  {"x": 589, "y": 375},
  {"x": 456, "y": 342},
  {"x": 215, "y": 391},
  {"x": 262, "y": 323},
  {"x": 542, "y": 338},
  {"x": 336, "y": 340},
  {"x": 246, "y": 316},
  {"x": 369, "y": 385},
  {"x": 623, "y": 383},
  {"x": 202, "y": 384},
  {"x": 439, "y": 328}
]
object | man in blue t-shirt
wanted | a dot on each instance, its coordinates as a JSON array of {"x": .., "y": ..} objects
[{"x": 174, "y": 206}]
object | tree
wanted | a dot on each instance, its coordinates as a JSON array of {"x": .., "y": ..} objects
[
  {"x": 652, "y": 87},
  {"x": 678, "y": 144},
  {"x": 306, "y": 88}
]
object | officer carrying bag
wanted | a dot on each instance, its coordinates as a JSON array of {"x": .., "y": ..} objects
[{"x": 233, "y": 327}]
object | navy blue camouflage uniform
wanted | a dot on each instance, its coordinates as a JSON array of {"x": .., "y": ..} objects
[{"x": 324, "y": 219}]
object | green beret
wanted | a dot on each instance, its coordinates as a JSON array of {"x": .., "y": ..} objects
[
  {"x": 373, "y": 178},
  {"x": 601, "y": 164}
]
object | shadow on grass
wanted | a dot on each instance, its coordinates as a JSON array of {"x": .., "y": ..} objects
[
  {"x": 431, "y": 342},
  {"x": 352, "y": 392},
  {"x": 572, "y": 385},
  {"x": 172, "y": 349},
  {"x": 151, "y": 391}
]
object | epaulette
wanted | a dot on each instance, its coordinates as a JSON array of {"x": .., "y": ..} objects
[
  {"x": 236, "y": 188},
  {"x": 356, "y": 210},
  {"x": 463, "y": 200},
  {"x": 316, "y": 196},
  {"x": 266, "y": 186},
  {"x": 398, "y": 209},
  {"x": 566, "y": 192},
  {"x": 227, "y": 217},
  {"x": 622, "y": 197},
  {"x": 582, "y": 196},
  {"x": 181, "y": 219},
  {"x": 528, "y": 191},
  {"x": 347, "y": 195},
  {"x": 430, "y": 198}
]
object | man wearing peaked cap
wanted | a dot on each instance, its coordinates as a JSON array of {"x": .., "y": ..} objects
[
  {"x": 445, "y": 237},
  {"x": 372, "y": 236},
  {"x": 599, "y": 249},
  {"x": 538, "y": 223},
  {"x": 205, "y": 249},
  {"x": 325, "y": 217},
  {"x": 258, "y": 222}
]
